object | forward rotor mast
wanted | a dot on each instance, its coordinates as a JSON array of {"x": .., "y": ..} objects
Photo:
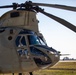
[
  {"x": 24, "y": 17},
  {"x": 29, "y": 6}
]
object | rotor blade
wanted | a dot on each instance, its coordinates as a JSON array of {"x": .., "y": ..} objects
[
  {"x": 57, "y": 6},
  {"x": 7, "y": 6},
  {"x": 62, "y": 21},
  {"x": 64, "y": 54},
  {"x": 14, "y": 5}
]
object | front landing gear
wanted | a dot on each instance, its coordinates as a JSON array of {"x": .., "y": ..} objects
[
  {"x": 30, "y": 73},
  {"x": 20, "y": 74}
]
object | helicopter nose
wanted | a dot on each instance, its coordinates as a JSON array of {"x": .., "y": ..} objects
[
  {"x": 41, "y": 59},
  {"x": 44, "y": 56},
  {"x": 54, "y": 55}
]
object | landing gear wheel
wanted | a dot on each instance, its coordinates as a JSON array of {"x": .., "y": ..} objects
[
  {"x": 30, "y": 73},
  {"x": 20, "y": 74}
]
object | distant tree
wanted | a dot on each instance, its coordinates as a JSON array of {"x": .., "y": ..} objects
[{"x": 66, "y": 58}]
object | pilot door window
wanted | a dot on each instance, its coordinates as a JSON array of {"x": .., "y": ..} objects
[
  {"x": 20, "y": 41},
  {"x": 21, "y": 47}
]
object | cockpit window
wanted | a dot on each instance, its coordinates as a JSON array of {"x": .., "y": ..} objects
[
  {"x": 17, "y": 41},
  {"x": 23, "y": 42},
  {"x": 20, "y": 41},
  {"x": 33, "y": 39},
  {"x": 40, "y": 57},
  {"x": 42, "y": 41}
]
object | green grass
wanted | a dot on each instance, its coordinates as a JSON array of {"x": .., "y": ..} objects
[
  {"x": 55, "y": 72},
  {"x": 61, "y": 68},
  {"x": 64, "y": 65}
]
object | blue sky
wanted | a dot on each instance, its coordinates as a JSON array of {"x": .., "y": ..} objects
[{"x": 56, "y": 35}]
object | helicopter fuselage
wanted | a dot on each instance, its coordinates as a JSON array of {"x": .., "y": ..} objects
[{"x": 22, "y": 48}]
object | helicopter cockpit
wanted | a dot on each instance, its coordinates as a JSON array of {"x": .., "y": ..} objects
[
  {"x": 28, "y": 43},
  {"x": 28, "y": 47}
]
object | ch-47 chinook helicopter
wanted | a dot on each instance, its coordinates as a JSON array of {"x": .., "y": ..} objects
[{"x": 22, "y": 46}]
